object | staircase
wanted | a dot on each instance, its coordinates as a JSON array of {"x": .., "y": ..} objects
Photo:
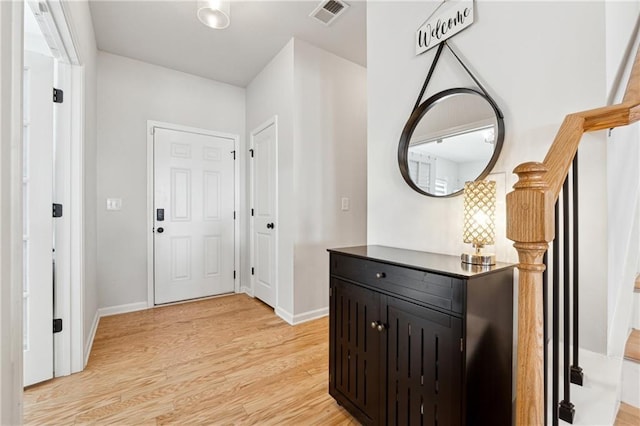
[{"x": 533, "y": 222}]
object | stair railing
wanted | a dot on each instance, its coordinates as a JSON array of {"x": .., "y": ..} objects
[{"x": 530, "y": 224}]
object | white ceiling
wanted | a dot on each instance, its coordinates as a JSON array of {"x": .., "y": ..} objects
[{"x": 168, "y": 33}]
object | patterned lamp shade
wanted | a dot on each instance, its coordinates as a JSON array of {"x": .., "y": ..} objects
[
  {"x": 479, "y": 213},
  {"x": 479, "y": 221}
]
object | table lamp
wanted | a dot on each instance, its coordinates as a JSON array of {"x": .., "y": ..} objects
[{"x": 479, "y": 221}]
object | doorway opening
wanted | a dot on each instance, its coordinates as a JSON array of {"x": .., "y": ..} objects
[{"x": 52, "y": 192}]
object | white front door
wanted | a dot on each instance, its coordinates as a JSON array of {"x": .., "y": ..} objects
[
  {"x": 264, "y": 145},
  {"x": 37, "y": 190},
  {"x": 193, "y": 215}
]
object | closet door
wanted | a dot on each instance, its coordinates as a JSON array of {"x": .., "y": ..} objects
[{"x": 424, "y": 365}]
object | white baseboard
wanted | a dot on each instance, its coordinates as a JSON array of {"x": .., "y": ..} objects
[
  {"x": 288, "y": 317},
  {"x": 310, "y": 315},
  {"x": 630, "y": 392},
  {"x": 122, "y": 309},
  {"x": 89, "y": 343},
  {"x": 635, "y": 320},
  {"x": 303, "y": 317},
  {"x": 247, "y": 290}
]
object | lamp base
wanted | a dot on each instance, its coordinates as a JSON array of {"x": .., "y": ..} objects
[{"x": 479, "y": 259}]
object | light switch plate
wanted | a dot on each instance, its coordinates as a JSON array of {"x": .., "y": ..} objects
[{"x": 114, "y": 203}]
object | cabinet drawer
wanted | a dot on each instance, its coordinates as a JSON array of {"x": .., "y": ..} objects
[{"x": 433, "y": 289}]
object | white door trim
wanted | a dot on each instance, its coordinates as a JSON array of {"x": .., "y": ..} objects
[
  {"x": 273, "y": 121},
  {"x": 11, "y": 72},
  {"x": 151, "y": 125},
  {"x": 79, "y": 358}
]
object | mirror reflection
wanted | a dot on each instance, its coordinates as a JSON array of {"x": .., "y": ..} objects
[{"x": 453, "y": 140}]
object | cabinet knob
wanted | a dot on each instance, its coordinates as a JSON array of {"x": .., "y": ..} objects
[
  {"x": 380, "y": 275},
  {"x": 374, "y": 324},
  {"x": 381, "y": 327}
]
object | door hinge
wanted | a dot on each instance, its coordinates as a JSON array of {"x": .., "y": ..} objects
[
  {"x": 234, "y": 215},
  {"x": 461, "y": 345},
  {"x": 330, "y": 377},
  {"x": 251, "y": 212},
  {"x": 251, "y": 152},
  {"x": 330, "y": 291},
  {"x": 57, "y": 210},
  {"x": 57, "y": 325},
  {"x": 234, "y": 154},
  {"x": 253, "y": 271},
  {"x": 234, "y": 275},
  {"x": 152, "y": 130},
  {"x": 58, "y": 95}
]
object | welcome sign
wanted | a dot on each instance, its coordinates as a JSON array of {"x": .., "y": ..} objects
[{"x": 449, "y": 19}]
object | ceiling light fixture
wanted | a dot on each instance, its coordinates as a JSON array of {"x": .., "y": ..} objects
[{"x": 215, "y": 13}]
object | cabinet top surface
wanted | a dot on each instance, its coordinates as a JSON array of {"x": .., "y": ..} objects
[{"x": 431, "y": 262}]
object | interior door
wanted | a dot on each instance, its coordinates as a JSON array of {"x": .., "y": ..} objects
[
  {"x": 194, "y": 228},
  {"x": 263, "y": 213},
  {"x": 37, "y": 192}
]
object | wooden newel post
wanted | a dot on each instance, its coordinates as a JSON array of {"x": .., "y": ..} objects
[
  {"x": 530, "y": 225},
  {"x": 530, "y": 373}
]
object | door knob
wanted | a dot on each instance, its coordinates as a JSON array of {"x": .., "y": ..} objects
[
  {"x": 270, "y": 226},
  {"x": 381, "y": 327},
  {"x": 160, "y": 230},
  {"x": 380, "y": 275},
  {"x": 374, "y": 324}
]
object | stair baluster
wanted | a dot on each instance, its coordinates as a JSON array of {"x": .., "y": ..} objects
[
  {"x": 577, "y": 375},
  {"x": 566, "y": 409},
  {"x": 556, "y": 317}
]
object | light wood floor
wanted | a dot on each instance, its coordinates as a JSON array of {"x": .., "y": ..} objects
[{"x": 227, "y": 360}]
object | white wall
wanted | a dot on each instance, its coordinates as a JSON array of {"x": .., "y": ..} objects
[
  {"x": 11, "y": 212},
  {"x": 539, "y": 62},
  {"x": 131, "y": 92},
  {"x": 82, "y": 27},
  {"x": 270, "y": 93},
  {"x": 330, "y": 145},
  {"x": 448, "y": 170},
  {"x": 623, "y": 175}
]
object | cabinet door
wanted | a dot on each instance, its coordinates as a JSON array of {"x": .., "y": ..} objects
[
  {"x": 424, "y": 366},
  {"x": 355, "y": 348}
]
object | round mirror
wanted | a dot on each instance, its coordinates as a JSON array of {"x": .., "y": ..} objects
[{"x": 453, "y": 137}]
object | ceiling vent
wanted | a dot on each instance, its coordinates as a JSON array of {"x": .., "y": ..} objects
[{"x": 328, "y": 10}]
